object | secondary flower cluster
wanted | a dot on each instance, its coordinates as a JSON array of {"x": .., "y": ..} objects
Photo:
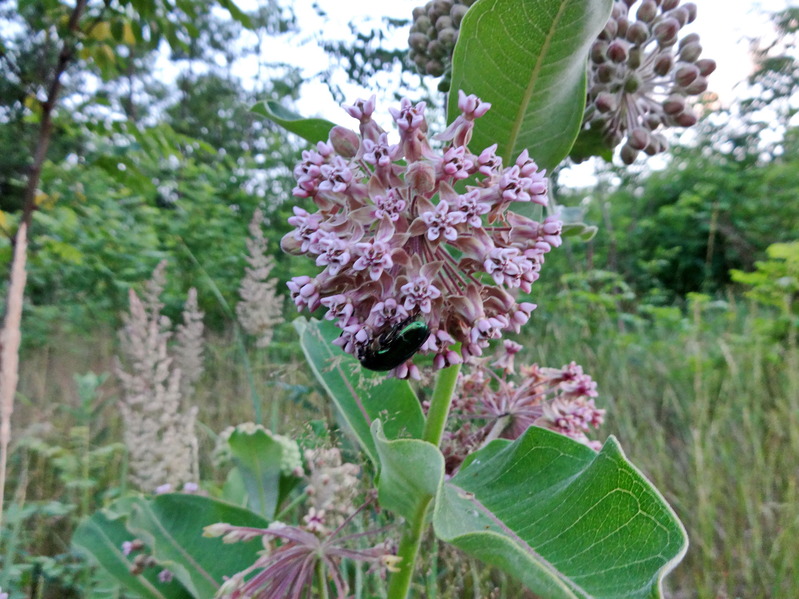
[
  {"x": 293, "y": 555},
  {"x": 495, "y": 404},
  {"x": 398, "y": 242},
  {"x": 641, "y": 75}
]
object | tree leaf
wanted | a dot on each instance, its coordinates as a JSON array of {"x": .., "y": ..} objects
[
  {"x": 360, "y": 395},
  {"x": 312, "y": 130},
  {"x": 172, "y": 526},
  {"x": 566, "y": 521},
  {"x": 101, "y": 536},
  {"x": 411, "y": 471},
  {"x": 528, "y": 59}
]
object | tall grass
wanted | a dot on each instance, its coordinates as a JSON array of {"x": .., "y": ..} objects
[
  {"x": 705, "y": 403},
  {"x": 708, "y": 407}
]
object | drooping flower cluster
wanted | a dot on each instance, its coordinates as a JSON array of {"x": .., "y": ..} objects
[
  {"x": 293, "y": 556},
  {"x": 397, "y": 241},
  {"x": 641, "y": 75},
  {"x": 494, "y": 404}
]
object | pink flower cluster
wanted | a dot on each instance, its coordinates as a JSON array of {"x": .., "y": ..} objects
[
  {"x": 404, "y": 232},
  {"x": 496, "y": 405}
]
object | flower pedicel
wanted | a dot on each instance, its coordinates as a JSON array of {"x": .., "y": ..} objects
[{"x": 408, "y": 259}]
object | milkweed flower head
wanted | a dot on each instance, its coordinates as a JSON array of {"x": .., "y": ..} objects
[
  {"x": 396, "y": 241},
  {"x": 492, "y": 402}
]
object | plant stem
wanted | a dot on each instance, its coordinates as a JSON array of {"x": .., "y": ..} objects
[
  {"x": 322, "y": 579},
  {"x": 439, "y": 404},
  {"x": 415, "y": 528}
]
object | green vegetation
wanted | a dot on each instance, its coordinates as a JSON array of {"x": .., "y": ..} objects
[{"x": 683, "y": 307}]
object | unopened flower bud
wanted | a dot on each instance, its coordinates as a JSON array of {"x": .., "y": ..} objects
[
  {"x": 638, "y": 33},
  {"x": 622, "y": 23},
  {"x": 617, "y": 51},
  {"x": 686, "y": 74},
  {"x": 434, "y": 68},
  {"x": 628, "y": 154},
  {"x": 653, "y": 121},
  {"x": 691, "y": 8},
  {"x": 443, "y": 22},
  {"x": 421, "y": 176},
  {"x": 598, "y": 50},
  {"x": 666, "y": 31},
  {"x": 680, "y": 15},
  {"x": 456, "y": 13},
  {"x": 605, "y": 102},
  {"x": 663, "y": 64},
  {"x": 448, "y": 36},
  {"x": 706, "y": 66},
  {"x": 647, "y": 11},
  {"x": 417, "y": 41},
  {"x": 344, "y": 141},
  {"x": 691, "y": 52},
  {"x": 609, "y": 32},
  {"x": 436, "y": 49},
  {"x": 634, "y": 59},
  {"x": 686, "y": 119},
  {"x": 669, "y": 5},
  {"x": 605, "y": 73},
  {"x": 697, "y": 86},
  {"x": 691, "y": 38},
  {"x": 639, "y": 138},
  {"x": 674, "y": 104}
]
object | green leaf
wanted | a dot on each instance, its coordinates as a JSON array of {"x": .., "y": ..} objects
[
  {"x": 360, "y": 395},
  {"x": 237, "y": 14},
  {"x": 411, "y": 471},
  {"x": 528, "y": 59},
  {"x": 312, "y": 130},
  {"x": 258, "y": 457},
  {"x": 172, "y": 526},
  {"x": 566, "y": 521},
  {"x": 101, "y": 536}
]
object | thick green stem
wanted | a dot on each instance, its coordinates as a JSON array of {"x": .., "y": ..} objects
[
  {"x": 321, "y": 578},
  {"x": 408, "y": 549},
  {"x": 439, "y": 404},
  {"x": 415, "y": 528}
]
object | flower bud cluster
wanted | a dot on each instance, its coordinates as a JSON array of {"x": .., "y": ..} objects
[
  {"x": 641, "y": 75},
  {"x": 398, "y": 243},
  {"x": 559, "y": 399},
  {"x": 433, "y": 34}
]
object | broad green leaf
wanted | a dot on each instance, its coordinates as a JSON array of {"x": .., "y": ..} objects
[
  {"x": 568, "y": 522},
  {"x": 258, "y": 457},
  {"x": 101, "y": 536},
  {"x": 172, "y": 526},
  {"x": 528, "y": 59},
  {"x": 360, "y": 395},
  {"x": 312, "y": 130},
  {"x": 410, "y": 472}
]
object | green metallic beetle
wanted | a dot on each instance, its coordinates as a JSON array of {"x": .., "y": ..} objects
[{"x": 394, "y": 346}]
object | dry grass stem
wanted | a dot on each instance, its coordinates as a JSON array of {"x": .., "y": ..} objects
[{"x": 10, "y": 338}]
